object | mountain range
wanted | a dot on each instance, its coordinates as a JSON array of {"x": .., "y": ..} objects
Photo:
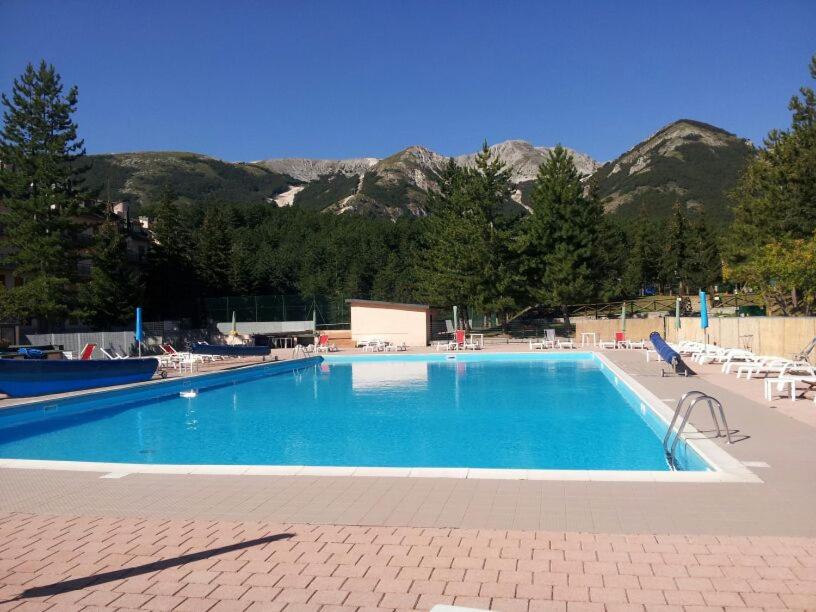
[{"x": 688, "y": 161}]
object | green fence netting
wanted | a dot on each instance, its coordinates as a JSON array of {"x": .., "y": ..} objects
[{"x": 328, "y": 312}]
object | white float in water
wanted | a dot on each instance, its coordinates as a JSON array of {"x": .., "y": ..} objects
[{"x": 189, "y": 393}]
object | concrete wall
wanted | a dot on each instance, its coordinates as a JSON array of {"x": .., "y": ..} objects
[
  {"x": 782, "y": 336},
  {"x": 265, "y": 327},
  {"x": 394, "y": 323}
]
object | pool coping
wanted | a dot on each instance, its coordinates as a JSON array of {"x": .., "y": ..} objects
[{"x": 725, "y": 467}]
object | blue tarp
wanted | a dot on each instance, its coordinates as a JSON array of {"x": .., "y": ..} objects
[
  {"x": 31, "y": 353},
  {"x": 22, "y": 378}
]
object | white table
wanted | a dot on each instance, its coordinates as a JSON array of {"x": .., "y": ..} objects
[
  {"x": 585, "y": 338},
  {"x": 781, "y": 384},
  {"x": 479, "y": 337}
]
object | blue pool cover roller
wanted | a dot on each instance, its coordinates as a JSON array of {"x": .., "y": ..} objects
[{"x": 668, "y": 354}]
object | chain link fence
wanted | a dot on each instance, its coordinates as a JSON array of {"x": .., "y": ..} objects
[{"x": 327, "y": 312}]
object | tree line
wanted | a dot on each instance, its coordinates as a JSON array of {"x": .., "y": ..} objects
[{"x": 70, "y": 250}]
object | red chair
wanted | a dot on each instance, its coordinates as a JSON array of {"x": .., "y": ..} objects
[
  {"x": 87, "y": 351},
  {"x": 620, "y": 338},
  {"x": 460, "y": 337}
]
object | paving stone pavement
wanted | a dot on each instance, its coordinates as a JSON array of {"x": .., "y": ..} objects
[{"x": 85, "y": 563}]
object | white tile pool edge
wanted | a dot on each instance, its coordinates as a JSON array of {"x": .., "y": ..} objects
[{"x": 726, "y": 467}]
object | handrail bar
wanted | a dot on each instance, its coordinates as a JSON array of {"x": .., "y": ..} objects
[
  {"x": 696, "y": 397},
  {"x": 680, "y": 403}
]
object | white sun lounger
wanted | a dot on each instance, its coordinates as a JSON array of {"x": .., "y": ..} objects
[
  {"x": 780, "y": 367},
  {"x": 725, "y": 356}
]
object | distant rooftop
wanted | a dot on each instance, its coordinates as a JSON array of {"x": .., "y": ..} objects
[{"x": 356, "y": 302}]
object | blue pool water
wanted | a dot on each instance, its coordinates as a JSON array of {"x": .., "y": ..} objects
[{"x": 501, "y": 411}]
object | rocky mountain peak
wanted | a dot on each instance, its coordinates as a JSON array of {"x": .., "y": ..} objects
[
  {"x": 307, "y": 170},
  {"x": 523, "y": 158}
]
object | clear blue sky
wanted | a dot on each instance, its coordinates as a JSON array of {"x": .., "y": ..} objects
[{"x": 245, "y": 80}]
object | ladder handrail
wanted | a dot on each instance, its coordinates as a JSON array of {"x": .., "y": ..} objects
[
  {"x": 698, "y": 396},
  {"x": 680, "y": 403}
]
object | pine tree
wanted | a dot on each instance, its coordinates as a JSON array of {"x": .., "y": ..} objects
[
  {"x": 213, "y": 249},
  {"x": 40, "y": 178},
  {"x": 643, "y": 256},
  {"x": 172, "y": 287},
  {"x": 674, "y": 260},
  {"x": 560, "y": 244},
  {"x": 490, "y": 187},
  {"x": 467, "y": 257},
  {"x": 704, "y": 267},
  {"x": 114, "y": 288},
  {"x": 448, "y": 269}
]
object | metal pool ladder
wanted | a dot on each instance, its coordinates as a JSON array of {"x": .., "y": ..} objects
[
  {"x": 299, "y": 350},
  {"x": 689, "y": 400}
]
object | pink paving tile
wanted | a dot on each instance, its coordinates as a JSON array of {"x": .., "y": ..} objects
[
  {"x": 363, "y": 599},
  {"x": 535, "y": 591},
  {"x": 228, "y": 591},
  {"x": 509, "y": 605},
  {"x": 360, "y": 584},
  {"x": 685, "y": 598},
  {"x": 99, "y": 598},
  {"x": 399, "y": 600},
  {"x": 264, "y": 580},
  {"x": 261, "y": 593},
  {"x": 714, "y": 598},
  {"x": 293, "y": 595},
  {"x": 462, "y": 589},
  {"x": 427, "y": 587},
  {"x": 415, "y": 573},
  {"x": 607, "y": 595},
  {"x": 295, "y": 581},
  {"x": 393, "y": 586},
  {"x": 624, "y": 607},
  {"x": 427, "y": 601},
  {"x": 389, "y": 572},
  {"x": 799, "y": 600},
  {"x": 516, "y": 577},
  {"x": 762, "y": 600},
  {"x": 482, "y": 603},
  {"x": 587, "y": 580},
  {"x": 163, "y": 603},
  {"x": 196, "y": 590},
  {"x": 505, "y": 590},
  {"x": 131, "y": 600},
  {"x": 350, "y": 571},
  {"x": 230, "y": 605},
  {"x": 504, "y": 565},
  {"x": 547, "y": 606},
  {"x": 571, "y": 594},
  {"x": 195, "y": 605}
]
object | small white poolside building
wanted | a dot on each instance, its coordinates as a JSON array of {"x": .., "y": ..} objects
[{"x": 390, "y": 321}]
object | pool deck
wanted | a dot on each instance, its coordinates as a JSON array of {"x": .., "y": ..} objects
[{"x": 345, "y": 542}]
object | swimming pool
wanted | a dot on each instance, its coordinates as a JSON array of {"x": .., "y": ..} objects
[{"x": 505, "y": 411}]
